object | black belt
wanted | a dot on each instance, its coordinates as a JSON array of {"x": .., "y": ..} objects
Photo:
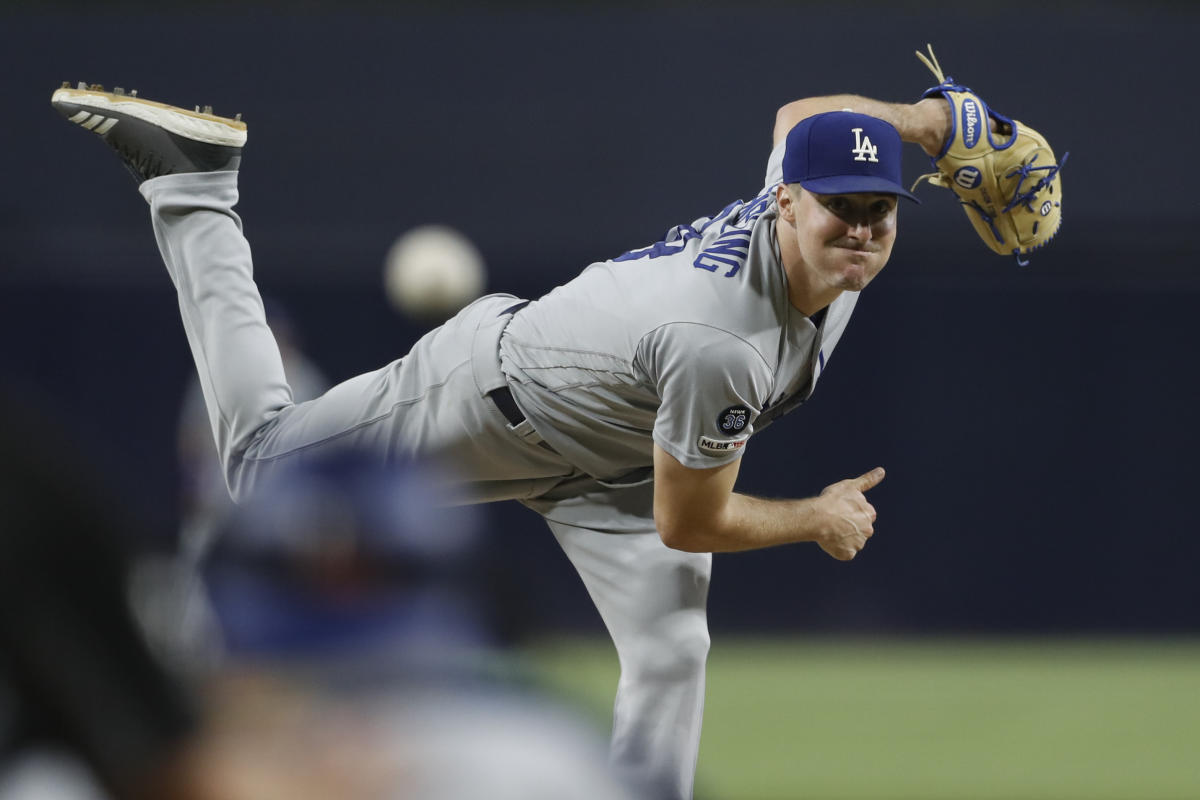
[
  {"x": 503, "y": 397},
  {"x": 504, "y": 401}
]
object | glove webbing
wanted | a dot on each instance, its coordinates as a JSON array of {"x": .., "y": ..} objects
[{"x": 1026, "y": 199}]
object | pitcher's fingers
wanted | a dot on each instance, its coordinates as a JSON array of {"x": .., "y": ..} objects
[{"x": 869, "y": 480}]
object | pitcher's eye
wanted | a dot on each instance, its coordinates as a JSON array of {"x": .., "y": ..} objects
[
  {"x": 881, "y": 208},
  {"x": 838, "y": 205}
]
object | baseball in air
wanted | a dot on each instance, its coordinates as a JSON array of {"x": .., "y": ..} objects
[{"x": 433, "y": 271}]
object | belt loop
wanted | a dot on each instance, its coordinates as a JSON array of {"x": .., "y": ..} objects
[{"x": 525, "y": 431}]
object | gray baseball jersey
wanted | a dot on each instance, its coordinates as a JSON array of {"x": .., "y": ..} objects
[{"x": 690, "y": 343}]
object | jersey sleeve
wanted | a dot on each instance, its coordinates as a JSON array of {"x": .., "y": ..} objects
[
  {"x": 774, "y": 166},
  {"x": 712, "y": 385}
]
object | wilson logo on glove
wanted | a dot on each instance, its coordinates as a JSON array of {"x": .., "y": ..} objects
[
  {"x": 1003, "y": 172},
  {"x": 968, "y": 177},
  {"x": 970, "y": 123}
]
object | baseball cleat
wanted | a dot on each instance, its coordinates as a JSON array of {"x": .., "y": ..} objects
[{"x": 154, "y": 139}]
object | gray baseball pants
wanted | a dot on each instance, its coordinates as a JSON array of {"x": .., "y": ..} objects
[{"x": 432, "y": 405}]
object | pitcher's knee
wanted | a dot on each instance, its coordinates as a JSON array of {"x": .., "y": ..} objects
[
  {"x": 244, "y": 473},
  {"x": 237, "y": 481},
  {"x": 675, "y": 650}
]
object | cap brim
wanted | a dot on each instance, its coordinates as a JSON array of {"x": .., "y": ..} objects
[{"x": 855, "y": 184}]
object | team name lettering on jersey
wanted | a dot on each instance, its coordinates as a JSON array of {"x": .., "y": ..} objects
[
  {"x": 729, "y": 250},
  {"x": 755, "y": 208},
  {"x": 731, "y": 247}
]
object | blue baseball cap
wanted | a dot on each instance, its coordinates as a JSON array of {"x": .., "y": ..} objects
[{"x": 840, "y": 152}]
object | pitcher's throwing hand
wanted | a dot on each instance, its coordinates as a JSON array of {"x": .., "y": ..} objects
[{"x": 851, "y": 517}]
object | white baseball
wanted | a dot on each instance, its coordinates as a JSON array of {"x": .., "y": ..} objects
[{"x": 432, "y": 271}]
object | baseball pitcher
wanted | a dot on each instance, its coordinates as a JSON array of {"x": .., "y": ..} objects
[{"x": 619, "y": 405}]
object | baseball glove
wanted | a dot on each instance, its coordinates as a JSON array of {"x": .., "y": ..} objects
[{"x": 1007, "y": 180}]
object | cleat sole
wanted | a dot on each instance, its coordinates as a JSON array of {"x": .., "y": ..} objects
[{"x": 197, "y": 126}]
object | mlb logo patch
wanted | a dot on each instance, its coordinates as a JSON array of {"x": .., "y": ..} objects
[{"x": 718, "y": 447}]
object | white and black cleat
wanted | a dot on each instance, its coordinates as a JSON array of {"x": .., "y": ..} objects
[{"x": 152, "y": 138}]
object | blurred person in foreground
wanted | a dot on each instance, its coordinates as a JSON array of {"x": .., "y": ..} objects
[{"x": 367, "y": 646}]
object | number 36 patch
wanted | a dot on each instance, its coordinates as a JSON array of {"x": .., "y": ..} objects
[{"x": 733, "y": 419}]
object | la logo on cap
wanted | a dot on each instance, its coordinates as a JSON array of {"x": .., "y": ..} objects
[{"x": 863, "y": 149}]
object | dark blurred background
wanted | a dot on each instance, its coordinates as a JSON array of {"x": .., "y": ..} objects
[{"x": 1036, "y": 422}]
